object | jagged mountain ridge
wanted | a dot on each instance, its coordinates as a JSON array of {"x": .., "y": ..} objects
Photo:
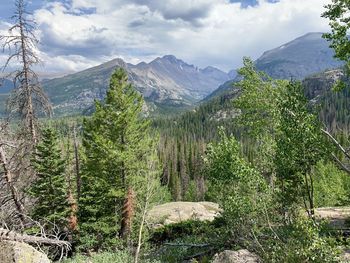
[
  {"x": 163, "y": 81},
  {"x": 170, "y": 83}
]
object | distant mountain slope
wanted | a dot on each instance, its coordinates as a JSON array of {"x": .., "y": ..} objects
[
  {"x": 5, "y": 86},
  {"x": 165, "y": 81},
  {"x": 333, "y": 108},
  {"x": 299, "y": 58},
  {"x": 302, "y": 57}
]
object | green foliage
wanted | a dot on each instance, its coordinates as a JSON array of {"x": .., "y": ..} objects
[
  {"x": 300, "y": 145},
  {"x": 149, "y": 192},
  {"x": 239, "y": 189},
  {"x": 121, "y": 256},
  {"x": 181, "y": 229},
  {"x": 115, "y": 147},
  {"x": 224, "y": 162},
  {"x": 258, "y": 101},
  {"x": 206, "y": 235},
  {"x": 50, "y": 187},
  {"x": 338, "y": 14},
  {"x": 260, "y": 116},
  {"x": 182, "y": 143},
  {"x": 117, "y": 257},
  {"x": 331, "y": 185},
  {"x": 301, "y": 241}
]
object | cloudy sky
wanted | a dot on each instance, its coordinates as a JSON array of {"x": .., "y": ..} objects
[{"x": 77, "y": 34}]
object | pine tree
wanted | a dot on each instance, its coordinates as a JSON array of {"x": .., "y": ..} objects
[
  {"x": 115, "y": 149},
  {"x": 49, "y": 189}
]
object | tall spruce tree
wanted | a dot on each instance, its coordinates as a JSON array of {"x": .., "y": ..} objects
[
  {"x": 115, "y": 149},
  {"x": 49, "y": 189}
]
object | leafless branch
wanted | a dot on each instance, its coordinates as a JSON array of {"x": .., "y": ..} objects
[{"x": 28, "y": 98}]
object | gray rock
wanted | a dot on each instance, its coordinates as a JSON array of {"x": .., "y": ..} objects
[
  {"x": 176, "y": 212},
  {"x": 17, "y": 252},
  {"x": 345, "y": 256},
  {"x": 240, "y": 256}
]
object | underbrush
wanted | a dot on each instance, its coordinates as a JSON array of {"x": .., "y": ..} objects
[
  {"x": 190, "y": 240},
  {"x": 301, "y": 240},
  {"x": 107, "y": 257}
]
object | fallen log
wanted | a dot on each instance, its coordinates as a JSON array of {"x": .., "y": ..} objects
[
  {"x": 9, "y": 235},
  {"x": 186, "y": 245}
]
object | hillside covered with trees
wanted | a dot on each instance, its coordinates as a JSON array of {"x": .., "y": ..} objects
[{"x": 266, "y": 158}]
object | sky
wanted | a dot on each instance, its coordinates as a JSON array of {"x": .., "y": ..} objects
[{"x": 78, "y": 34}]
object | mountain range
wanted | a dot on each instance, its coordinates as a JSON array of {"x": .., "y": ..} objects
[
  {"x": 169, "y": 84},
  {"x": 164, "y": 82}
]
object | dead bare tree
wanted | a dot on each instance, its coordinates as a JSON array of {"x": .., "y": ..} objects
[
  {"x": 51, "y": 244},
  {"x": 28, "y": 99},
  {"x": 77, "y": 162},
  {"x": 147, "y": 200},
  {"x": 8, "y": 152},
  {"x": 10, "y": 235}
]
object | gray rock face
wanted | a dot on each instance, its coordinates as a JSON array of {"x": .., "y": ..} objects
[
  {"x": 240, "y": 256},
  {"x": 176, "y": 212},
  {"x": 165, "y": 81},
  {"x": 16, "y": 252}
]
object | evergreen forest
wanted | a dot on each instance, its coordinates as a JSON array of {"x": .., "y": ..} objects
[{"x": 262, "y": 167}]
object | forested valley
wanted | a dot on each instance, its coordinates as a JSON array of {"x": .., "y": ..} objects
[{"x": 258, "y": 173}]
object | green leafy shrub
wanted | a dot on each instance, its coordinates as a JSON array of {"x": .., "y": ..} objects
[
  {"x": 182, "y": 229},
  {"x": 174, "y": 242},
  {"x": 107, "y": 257},
  {"x": 239, "y": 189},
  {"x": 115, "y": 257},
  {"x": 331, "y": 185},
  {"x": 300, "y": 241}
]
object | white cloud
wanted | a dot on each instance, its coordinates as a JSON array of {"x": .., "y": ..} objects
[{"x": 202, "y": 32}]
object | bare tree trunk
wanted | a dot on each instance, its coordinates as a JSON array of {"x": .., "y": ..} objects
[
  {"x": 11, "y": 186},
  {"x": 139, "y": 240},
  {"x": 73, "y": 219},
  {"x": 29, "y": 109},
  {"x": 309, "y": 190},
  {"x": 151, "y": 188},
  {"x": 77, "y": 164},
  {"x": 342, "y": 149},
  {"x": 14, "y": 236}
]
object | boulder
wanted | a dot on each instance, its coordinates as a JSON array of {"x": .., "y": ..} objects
[
  {"x": 240, "y": 256},
  {"x": 337, "y": 216},
  {"x": 176, "y": 212},
  {"x": 18, "y": 252},
  {"x": 345, "y": 257}
]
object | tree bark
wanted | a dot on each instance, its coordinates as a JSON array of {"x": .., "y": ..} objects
[
  {"x": 11, "y": 186},
  {"x": 127, "y": 215},
  {"x": 77, "y": 164},
  {"x": 139, "y": 241},
  {"x": 29, "y": 115}
]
